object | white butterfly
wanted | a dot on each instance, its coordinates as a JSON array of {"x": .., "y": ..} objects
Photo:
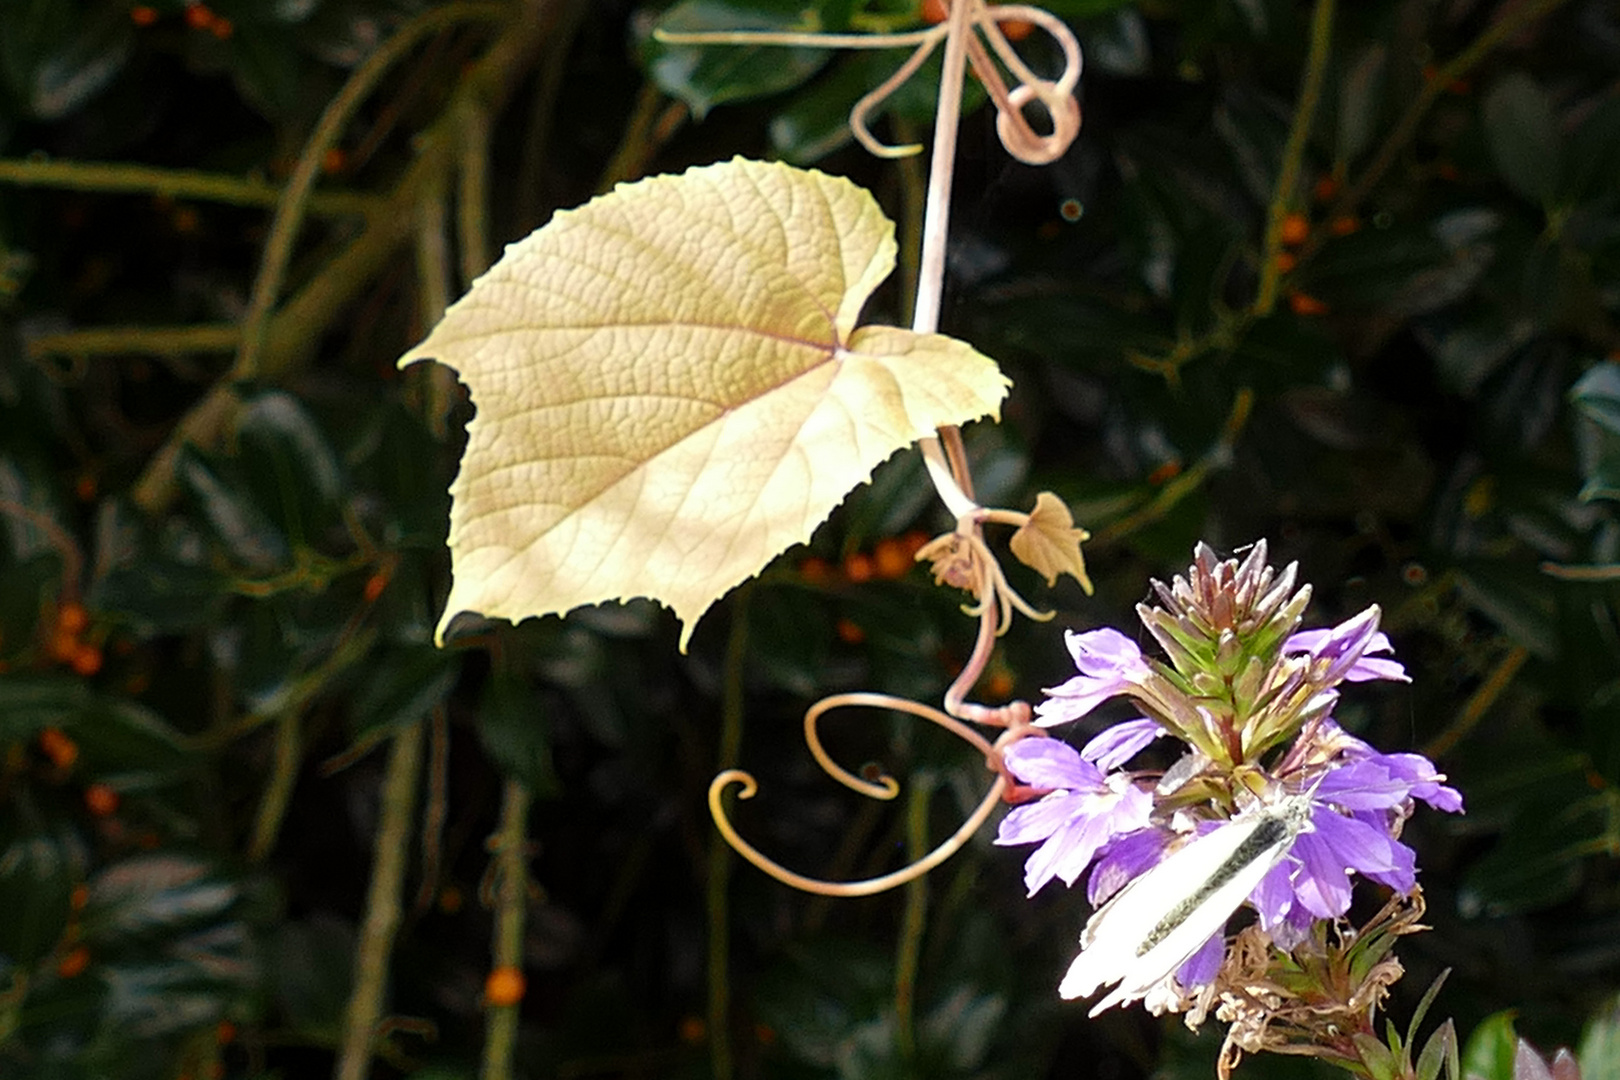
[{"x": 1155, "y": 923}]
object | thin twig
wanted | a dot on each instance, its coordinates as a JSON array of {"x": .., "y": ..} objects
[
  {"x": 913, "y": 921},
  {"x": 1479, "y": 702},
  {"x": 135, "y": 341},
  {"x": 382, "y": 917},
  {"x": 1406, "y": 128},
  {"x": 278, "y": 791},
  {"x": 511, "y": 906},
  {"x": 115, "y": 178},
  {"x": 296, "y": 329},
  {"x": 1282, "y": 196},
  {"x": 289, "y": 217},
  {"x": 718, "y": 885},
  {"x": 472, "y": 192}
]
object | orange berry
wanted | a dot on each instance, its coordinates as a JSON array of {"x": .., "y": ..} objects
[
  {"x": 765, "y": 1034},
  {"x": 1286, "y": 261},
  {"x": 74, "y": 963},
  {"x": 375, "y": 584},
  {"x": 815, "y": 571},
  {"x": 225, "y": 1033},
  {"x": 79, "y": 897},
  {"x": 64, "y": 643},
  {"x": 221, "y": 27},
  {"x": 1000, "y": 685},
  {"x": 86, "y": 660},
  {"x": 1324, "y": 189},
  {"x": 891, "y": 559},
  {"x": 692, "y": 1030},
  {"x": 1016, "y": 29},
  {"x": 141, "y": 15},
  {"x": 1295, "y": 229},
  {"x": 1344, "y": 226},
  {"x": 858, "y": 567},
  {"x": 198, "y": 16},
  {"x": 849, "y": 632},
  {"x": 84, "y": 488},
  {"x": 450, "y": 899},
  {"x": 101, "y": 799},
  {"x": 1304, "y": 304},
  {"x": 914, "y": 541},
  {"x": 936, "y": 11},
  {"x": 334, "y": 160},
  {"x": 62, "y": 750},
  {"x": 504, "y": 986},
  {"x": 1165, "y": 473}
]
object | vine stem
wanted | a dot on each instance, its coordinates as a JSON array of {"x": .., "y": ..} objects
[
  {"x": 935, "y": 233},
  {"x": 718, "y": 882},
  {"x": 382, "y": 905},
  {"x": 511, "y": 900},
  {"x": 1282, "y": 196}
]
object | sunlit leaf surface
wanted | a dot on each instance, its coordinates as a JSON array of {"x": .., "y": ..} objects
[{"x": 671, "y": 390}]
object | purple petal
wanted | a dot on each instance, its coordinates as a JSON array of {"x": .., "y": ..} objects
[
  {"x": 1273, "y": 898},
  {"x": 1425, "y": 780},
  {"x": 1321, "y": 884},
  {"x": 1038, "y": 820},
  {"x": 1202, "y": 966},
  {"x": 1075, "y": 699},
  {"x": 1108, "y": 662},
  {"x": 1126, "y": 858},
  {"x": 1051, "y": 763},
  {"x": 1104, "y": 650},
  {"x": 1114, "y": 746},
  {"x": 1354, "y": 844},
  {"x": 1369, "y": 668},
  {"x": 1363, "y": 785}
]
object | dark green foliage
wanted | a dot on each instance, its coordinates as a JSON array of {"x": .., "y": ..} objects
[{"x": 196, "y": 688}]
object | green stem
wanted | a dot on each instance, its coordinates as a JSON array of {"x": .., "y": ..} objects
[
  {"x": 472, "y": 195},
  {"x": 382, "y": 905},
  {"x": 289, "y": 752},
  {"x": 1282, "y": 196},
  {"x": 119, "y": 179},
  {"x": 289, "y": 217},
  {"x": 720, "y": 857},
  {"x": 912, "y": 922},
  {"x": 137, "y": 340},
  {"x": 511, "y": 898}
]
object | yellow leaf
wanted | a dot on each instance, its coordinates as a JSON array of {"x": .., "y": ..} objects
[
  {"x": 671, "y": 390},
  {"x": 1049, "y": 543}
]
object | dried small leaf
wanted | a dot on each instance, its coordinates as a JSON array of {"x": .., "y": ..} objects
[{"x": 1049, "y": 543}]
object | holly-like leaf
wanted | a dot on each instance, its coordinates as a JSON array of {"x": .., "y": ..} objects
[
  {"x": 671, "y": 390},
  {"x": 1049, "y": 543}
]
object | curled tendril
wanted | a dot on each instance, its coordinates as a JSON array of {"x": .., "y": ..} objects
[
  {"x": 1013, "y": 717},
  {"x": 1056, "y": 96}
]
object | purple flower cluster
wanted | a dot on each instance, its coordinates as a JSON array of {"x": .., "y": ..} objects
[{"x": 1097, "y": 814}]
